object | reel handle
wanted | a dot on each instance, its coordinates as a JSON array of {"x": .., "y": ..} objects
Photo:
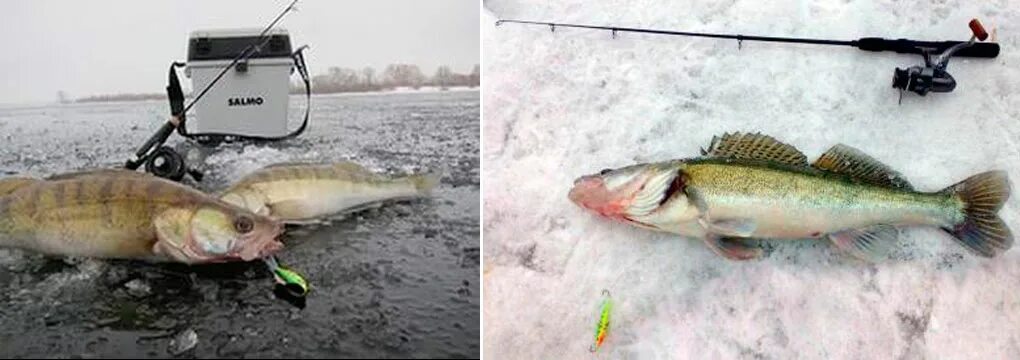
[{"x": 977, "y": 29}]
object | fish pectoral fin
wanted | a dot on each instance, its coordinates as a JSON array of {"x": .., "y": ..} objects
[
  {"x": 736, "y": 227},
  {"x": 171, "y": 227},
  {"x": 869, "y": 244},
  {"x": 732, "y": 248},
  {"x": 171, "y": 224}
]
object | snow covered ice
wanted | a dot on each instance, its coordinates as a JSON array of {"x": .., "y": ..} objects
[{"x": 562, "y": 104}]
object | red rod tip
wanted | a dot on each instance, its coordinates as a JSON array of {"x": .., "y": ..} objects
[{"x": 978, "y": 30}]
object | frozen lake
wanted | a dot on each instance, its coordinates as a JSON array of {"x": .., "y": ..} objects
[{"x": 400, "y": 280}]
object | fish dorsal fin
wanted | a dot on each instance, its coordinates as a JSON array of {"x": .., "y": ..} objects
[
  {"x": 845, "y": 160},
  {"x": 96, "y": 172},
  {"x": 754, "y": 147},
  {"x": 341, "y": 165},
  {"x": 290, "y": 163},
  {"x": 351, "y": 167},
  {"x": 9, "y": 185}
]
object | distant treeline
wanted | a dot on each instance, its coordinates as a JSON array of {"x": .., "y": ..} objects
[
  {"x": 338, "y": 80},
  {"x": 120, "y": 97}
]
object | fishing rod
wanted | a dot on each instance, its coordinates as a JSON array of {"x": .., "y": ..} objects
[
  {"x": 171, "y": 162},
  {"x": 932, "y": 77}
]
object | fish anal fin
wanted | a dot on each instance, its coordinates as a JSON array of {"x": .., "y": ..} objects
[
  {"x": 754, "y": 147},
  {"x": 732, "y": 248},
  {"x": 869, "y": 244},
  {"x": 846, "y": 160}
]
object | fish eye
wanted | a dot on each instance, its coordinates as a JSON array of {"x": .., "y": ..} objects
[
  {"x": 244, "y": 224},
  {"x": 605, "y": 171}
]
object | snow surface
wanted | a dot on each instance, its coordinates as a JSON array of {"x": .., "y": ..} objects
[{"x": 564, "y": 104}]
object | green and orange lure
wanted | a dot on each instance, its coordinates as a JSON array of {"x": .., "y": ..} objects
[
  {"x": 603, "y": 325},
  {"x": 291, "y": 280}
]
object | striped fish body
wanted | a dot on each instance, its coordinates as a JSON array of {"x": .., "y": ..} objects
[
  {"x": 121, "y": 215},
  {"x": 302, "y": 192},
  {"x": 110, "y": 218}
]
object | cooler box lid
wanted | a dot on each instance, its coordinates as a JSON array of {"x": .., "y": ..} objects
[{"x": 226, "y": 44}]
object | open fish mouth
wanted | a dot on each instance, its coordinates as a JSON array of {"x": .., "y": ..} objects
[
  {"x": 270, "y": 248},
  {"x": 261, "y": 246},
  {"x": 271, "y": 245}
]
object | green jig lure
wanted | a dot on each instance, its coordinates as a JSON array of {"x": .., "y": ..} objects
[
  {"x": 290, "y": 279},
  {"x": 603, "y": 325}
]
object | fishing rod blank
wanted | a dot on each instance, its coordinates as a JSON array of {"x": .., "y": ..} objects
[
  {"x": 905, "y": 46},
  {"x": 932, "y": 77}
]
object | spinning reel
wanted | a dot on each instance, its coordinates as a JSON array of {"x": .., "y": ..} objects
[{"x": 933, "y": 77}]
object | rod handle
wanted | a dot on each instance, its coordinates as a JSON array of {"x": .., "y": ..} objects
[
  {"x": 906, "y": 46},
  {"x": 158, "y": 138}
]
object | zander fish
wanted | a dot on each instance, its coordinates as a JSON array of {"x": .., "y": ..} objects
[
  {"x": 751, "y": 186},
  {"x": 128, "y": 215},
  {"x": 295, "y": 192}
]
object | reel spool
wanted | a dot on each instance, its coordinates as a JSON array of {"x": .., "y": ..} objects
[{"x": 168, "y": 164}]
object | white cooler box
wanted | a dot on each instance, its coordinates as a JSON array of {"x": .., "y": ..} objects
[{"x": 252, "y": 98}]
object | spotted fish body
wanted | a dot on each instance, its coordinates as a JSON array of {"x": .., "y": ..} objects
[
  {"x": 129, "y": 216},
  {"x": 750, "y": 186},
  {"x": 303, "y": 192}
]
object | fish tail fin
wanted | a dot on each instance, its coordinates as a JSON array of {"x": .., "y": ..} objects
[
  {"x": 424, "y": 183},
  {"x": 982, "y": 231}
]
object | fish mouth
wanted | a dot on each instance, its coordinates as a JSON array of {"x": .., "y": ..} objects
[
  {"x": 575, "y": 195},
  {"x": 589, "y": 192},
  {"x": 270, "y": 248},
  {"x": 263, "y": 246},
  {"x": 259, "y": 251}
]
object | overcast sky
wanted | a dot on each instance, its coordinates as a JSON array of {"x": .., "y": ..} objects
[{"x": 113, "y": 46}]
